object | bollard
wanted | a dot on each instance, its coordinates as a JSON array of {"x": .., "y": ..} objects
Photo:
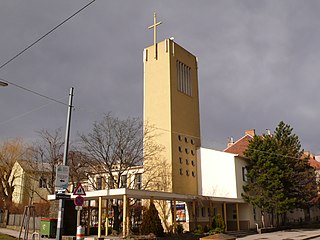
[{"x": 80, "y": 233}]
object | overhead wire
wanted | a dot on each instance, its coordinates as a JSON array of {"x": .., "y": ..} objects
[
  {"x": 34, "y": 92},
  {"x": 34, "y": 43},
  {"x": 26, "y": 113}
]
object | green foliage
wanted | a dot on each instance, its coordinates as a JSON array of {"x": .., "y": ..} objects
[
  {"x": 151, "y": 222},
  {"x": 218, "y": 224},
  {"x": 278, "y": 178},
  {"x": 198, "y": 230},
  {"x": 6, "y": 237}
]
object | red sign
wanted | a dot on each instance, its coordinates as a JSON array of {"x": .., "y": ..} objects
[{"x": 78, "y": 201}]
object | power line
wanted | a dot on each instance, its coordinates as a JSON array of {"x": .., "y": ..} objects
[
  {"x": 45, "y": 35},
  {"x": 34, "y": 43},
  {"x": 34, "y": 92},
  {"x": 28, "y": 112}
]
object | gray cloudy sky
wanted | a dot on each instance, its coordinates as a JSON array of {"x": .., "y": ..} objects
[{"x": 259, "y": 63}]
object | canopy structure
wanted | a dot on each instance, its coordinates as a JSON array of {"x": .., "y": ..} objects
[{"x": 125, "y": 194}]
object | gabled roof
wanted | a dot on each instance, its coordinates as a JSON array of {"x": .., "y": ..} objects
[
  {"x": 32, "y": 166},
  {"x": 312, "y": 160},
  {"x": 240, "y": 145}
]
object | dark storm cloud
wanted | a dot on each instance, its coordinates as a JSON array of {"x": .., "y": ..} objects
[{"x": 258, "y": 63}]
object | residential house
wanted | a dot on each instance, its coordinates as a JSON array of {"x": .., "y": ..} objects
[
  {"x": 31, "y": 183},
  {"x": 294, "y": 216}
]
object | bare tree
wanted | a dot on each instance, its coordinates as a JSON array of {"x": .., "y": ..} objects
[
  {"x": 10, "y": 152},
  {"x": 48, "y": 153},
  {"x": 79, "y": 167},
  {"x": 116, "y": 146}
]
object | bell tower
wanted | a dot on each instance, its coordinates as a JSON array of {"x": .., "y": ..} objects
[{"x": 171, "y": 106}]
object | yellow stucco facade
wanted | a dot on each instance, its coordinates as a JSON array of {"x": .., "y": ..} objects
[{"x": 171, "y": 106}]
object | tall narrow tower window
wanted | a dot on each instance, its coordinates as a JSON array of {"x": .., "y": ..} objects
[{"x": 184, "y": 78}]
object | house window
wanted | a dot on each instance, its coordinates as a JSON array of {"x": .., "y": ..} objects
[
  {"x": 187, "y": 161},
  {"x": 244, "y": 174},
  {"x": 192, "y": 152},
  {"x": 180, "y": 160},
  {"x": 180, "y": 149},
  {"x": 42, "y": 182},
  {"x": 203, "y": 212},
  {"x": 111, "y": 182},
  {"x": 123, "y": 181},
  {"x": 187, "y": 172},
  {"x": 192, "y": 142},
  {"x": 193, "y": 174},
  {"x": 181, "y": 171},
  {"x": 138, "y": 181},
  {"x": 193, "y": 163},
  {"x": 99, "y": 183},
  {"x": 186, "y": 140},
  {"x": 179, "y": 137},
  {"x": 184, "y": 78},
  {"x": 186, "y": 150}
]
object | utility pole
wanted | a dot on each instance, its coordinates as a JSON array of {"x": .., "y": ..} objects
[{"x": 65, "y": 163}]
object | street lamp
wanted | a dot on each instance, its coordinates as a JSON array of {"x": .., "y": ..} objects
[{"x": 3, "y": 84}]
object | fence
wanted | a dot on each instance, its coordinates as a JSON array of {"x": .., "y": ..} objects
[{"x": 16, "y": 220}]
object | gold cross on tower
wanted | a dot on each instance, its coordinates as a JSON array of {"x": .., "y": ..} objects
[{"x": 154, "y": 26}]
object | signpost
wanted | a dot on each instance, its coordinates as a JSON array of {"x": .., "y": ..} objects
[
  {"x": 79, "y": 190},
  {"x": 78, "y": 201},
  {"x": 62, "y": 196},
  {"x": 65, "y": 163},
  {"x": 62, "y": 178}
]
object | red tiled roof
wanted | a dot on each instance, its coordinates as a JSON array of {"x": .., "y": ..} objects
[
  {"x": 312, "y": 161},
  {"x": 239, "y": 146}
]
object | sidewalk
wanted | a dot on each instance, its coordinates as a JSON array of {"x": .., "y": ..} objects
[
  {"x": 15, "y": 233},
  {"x": 292, "y": 234}
]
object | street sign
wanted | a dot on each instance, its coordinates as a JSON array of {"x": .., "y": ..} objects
[
  {"x": 62, "y": 177},
  {"x": 78, "y": 201},
  {"x": 79, "y": 190},
  {"x": 63, "y": 196}
]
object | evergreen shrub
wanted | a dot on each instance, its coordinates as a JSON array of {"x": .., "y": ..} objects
[{"x": 151, "y": 222}]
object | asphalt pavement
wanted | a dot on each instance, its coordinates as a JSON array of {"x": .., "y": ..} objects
[{"x": 291, "y": 234}]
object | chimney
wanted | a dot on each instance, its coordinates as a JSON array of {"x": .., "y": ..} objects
[
  {"x": 250, "y": 132},
  {"x": 230, "y": 142},
  {"x": 268, "y": 132}
]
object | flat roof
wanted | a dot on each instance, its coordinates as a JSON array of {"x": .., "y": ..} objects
[{"x": 145, "y": 194}]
